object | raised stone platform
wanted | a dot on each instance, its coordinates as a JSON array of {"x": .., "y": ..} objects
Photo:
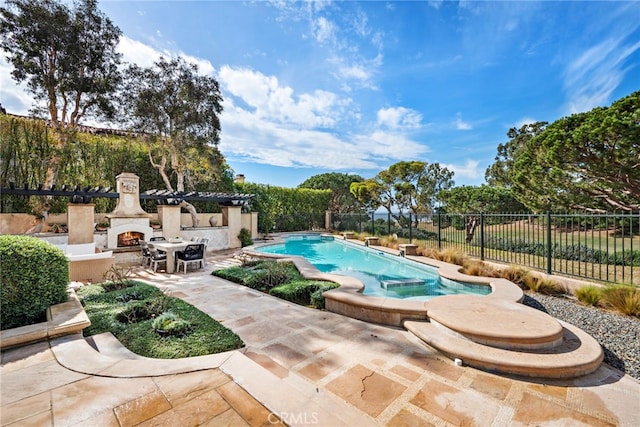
[
  {"x": 578, "y": 354},
  {"x": 496, "y": 322}
]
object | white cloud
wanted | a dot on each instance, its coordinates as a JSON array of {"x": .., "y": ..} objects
[
  {"x": 591, "y": 78},
  {"x": 323, "y": 30},
  {"x": 138, "y": 53},
  {"x": 143, "y": 55},
  {"x": 468, "y": 170},
  {"x": 462, "y": 125},
  {"x": 276, "y": 103},
  {"x": 524, "y": 121},
  {"x": 399, "y": 118},
  {"x": 15, "y": 99},
  {"x": 357, "y": 72},
  {"x": 267, "y": 123}
]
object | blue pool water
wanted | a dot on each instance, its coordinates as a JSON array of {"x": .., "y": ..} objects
[{"x": 382, "y": 274}]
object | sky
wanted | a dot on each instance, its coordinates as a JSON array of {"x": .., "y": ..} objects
[{"x": 354, "y": 87}]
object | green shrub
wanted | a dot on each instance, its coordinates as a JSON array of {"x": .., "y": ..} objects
[
  {"x": 245, "y": 237},
  {"x": 234, "y": 274},
  {"x": 317, "y": 297},
  {"x": 297, "y": 291},
  {"x": 280, "y": 279},
  {"x": 622, "y": 298},
  {"x": 34, "y": 276},
  {"x": 276, "y": 273},
  {"x": 170, "y": 324},
  {"x": 574, "y": 252},
  {"x": 589, "y": 295}
]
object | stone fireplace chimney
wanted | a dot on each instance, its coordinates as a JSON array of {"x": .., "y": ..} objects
[{"x": 128, "y": 217}]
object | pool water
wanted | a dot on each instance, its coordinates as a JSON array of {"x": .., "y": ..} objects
[{"x": 382, "y": 274}]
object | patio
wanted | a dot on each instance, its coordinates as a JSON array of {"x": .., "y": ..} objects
[{"x": 306, "y": 366}]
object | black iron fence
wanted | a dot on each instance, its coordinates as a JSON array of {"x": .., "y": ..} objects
[{"x": 604, "y": 247}]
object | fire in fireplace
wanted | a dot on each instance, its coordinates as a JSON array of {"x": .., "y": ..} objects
[{"x": 129, "y": 238}]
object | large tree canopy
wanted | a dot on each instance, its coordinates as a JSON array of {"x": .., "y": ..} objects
[
  {"x": 485, "y": 198},
  {"x": 405, "y": 187},
  {"x": 67, "y": 58},
  {"x": 177, "y": 109},
  {"x": 342, "y": 200},
  {"x": 585, "y": 161}
]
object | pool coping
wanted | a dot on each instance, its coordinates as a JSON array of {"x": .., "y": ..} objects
[{"x": 348, "y": 299}]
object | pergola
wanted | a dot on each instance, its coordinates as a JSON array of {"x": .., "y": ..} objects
[{"x": 79, "y": 194}]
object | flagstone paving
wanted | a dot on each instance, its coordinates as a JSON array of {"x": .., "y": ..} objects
[{"x": 308, "y": 367}]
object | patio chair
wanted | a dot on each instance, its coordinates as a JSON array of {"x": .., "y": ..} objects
[
  {"x": 146, "y": 255},
  {"x": 205, "y": 242},
  {"x": 156, "y": 258},
  {"x": 191, "y": 254}
]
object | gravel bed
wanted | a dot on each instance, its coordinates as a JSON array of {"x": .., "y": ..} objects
[{"x": 619, "y": 335}]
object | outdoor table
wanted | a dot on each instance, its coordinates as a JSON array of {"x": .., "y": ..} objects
[{"x": 171, "y": 247}]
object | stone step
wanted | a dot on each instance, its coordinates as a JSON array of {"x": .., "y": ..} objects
[
  {"x": 106, "y": 343},
  {"x": 578, "y": 354},
  {"x": 496, "y": 322}
]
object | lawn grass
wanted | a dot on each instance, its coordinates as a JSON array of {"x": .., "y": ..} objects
[{"x": 122, "y": 312}]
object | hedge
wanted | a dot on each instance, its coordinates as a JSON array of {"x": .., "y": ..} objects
[{"x": 34, "y": 276}]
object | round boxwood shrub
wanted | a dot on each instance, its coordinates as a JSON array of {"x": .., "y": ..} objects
[
  {"x": 34, "y": 276},
  {"x": 170, "y": 324}
]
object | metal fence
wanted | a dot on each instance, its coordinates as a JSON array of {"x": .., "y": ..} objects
[{"x": 603, "y": 247}]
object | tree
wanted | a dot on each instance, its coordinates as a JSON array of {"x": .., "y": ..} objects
[
  {"x": 473, "y": 200},
  {"x": 498, "y": 173},
  {"x": 68, "y": 59},
  {"x": 342, "y": 200},
  {"x": 484, "y": 198},
  {"x": 405, "y": 187},
  {"x": 588, "y": 161},
  {"x": 177, "y": 109}
]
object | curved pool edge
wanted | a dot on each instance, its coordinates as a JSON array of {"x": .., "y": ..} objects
[{"x": 348, "y": 299}]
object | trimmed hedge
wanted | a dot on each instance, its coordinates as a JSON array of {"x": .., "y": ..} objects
[
  {"x": 575, "y": 252},
  {"x": 34, "y": 276}
]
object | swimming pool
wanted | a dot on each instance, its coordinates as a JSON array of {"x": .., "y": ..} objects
[{"x": 383, "y": 274}]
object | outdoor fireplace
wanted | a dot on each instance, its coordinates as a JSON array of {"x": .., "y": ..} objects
[
  {"x": 130, "y": 238},
  {"x": 129, "y": 223}
]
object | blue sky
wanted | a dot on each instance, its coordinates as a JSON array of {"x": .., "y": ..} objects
[{"x": 314, "y": 87}]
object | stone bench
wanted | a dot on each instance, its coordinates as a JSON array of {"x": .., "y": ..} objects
[
  {"x": 348, "y": 235},
  {"x": 86, "y": 262},
  {"x": 408, "y": 249}
]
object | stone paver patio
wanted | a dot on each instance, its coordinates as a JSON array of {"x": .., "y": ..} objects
[{"x": 307, "y": 367}]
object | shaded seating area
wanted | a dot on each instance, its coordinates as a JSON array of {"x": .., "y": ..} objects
[{"x": 192, "y": 254}]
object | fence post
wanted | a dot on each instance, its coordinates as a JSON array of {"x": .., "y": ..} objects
[
  {"x": 373, "y": 223},
  {"x": 439, "y": 233},
  {"x": 410, "y": 228},
  {"x": 548, "y": 242},
  {"x": 481, "y": 236}
]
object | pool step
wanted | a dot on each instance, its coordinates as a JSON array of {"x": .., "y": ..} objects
[
  {"x": 578, "y": 354},
  {"x": 496, "y": 322},
  {"x": 395, "y": 283}
]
